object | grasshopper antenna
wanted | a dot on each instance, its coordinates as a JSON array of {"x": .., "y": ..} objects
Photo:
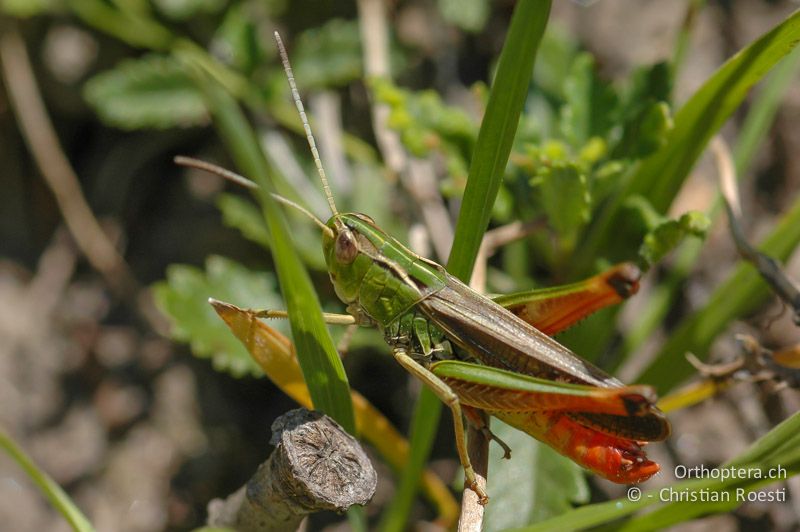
[
  {"x": 240, "y": 180},
  {"x": 287, "y": 68},
  {"x": 191, "y": 162}
]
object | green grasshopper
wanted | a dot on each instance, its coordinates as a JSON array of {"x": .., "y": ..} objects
[{"x": 479, "y": 354}]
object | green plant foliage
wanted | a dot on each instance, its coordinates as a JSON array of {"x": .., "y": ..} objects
[
  {"x": 548, "y": 486},
  {"x": 469, "y": 15},
  {"x": 183, "y": 297},
  {"x": 779, "y": 447},
  {"x": 243, "y": 215},
  {"x": 237, "y": 41},
  {"x": 246, "y": 217},
  {"x": 557, "y": 53},
  {"x": 185, "y": 9},
  {"x": 709, "y": 108},
  {"x": 741, "y": 293},
  {"x": 645, "y": 114},
  {"x": 29, "y": 8},
  {"x": 663, "y": 234},
  {"x": 566, "y": 199},
  {"x": 328, "y": 56},
  {"x": 591, "y": 105},
  {"x": 645, "y": 132},
  {"x": 151, "y": 92},
  {"x": 661, "y": 175},
  {"x": 427, "y": 125}
]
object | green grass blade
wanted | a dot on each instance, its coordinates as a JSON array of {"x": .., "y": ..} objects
[
  {"x": 321, "y": 365},
  {"x": 762, "y": 112},
  {"x": 425, "y": 421},
  {"x": 57, "y": 497},
  {"x": 506, "y": 99},
  {"x": 779, "y": 447},
  {"x": 756, "y": 125},
  {"x": 743, "y": 292},
  {"x": 659, "y": 177},
  {"x": 693, "y": 9}
]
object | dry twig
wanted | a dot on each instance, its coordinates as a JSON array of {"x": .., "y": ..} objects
[
  {"x": 769, "y": 268},
  {"x": 316, "y": 466},
  {"x": 40, "y": 136}
]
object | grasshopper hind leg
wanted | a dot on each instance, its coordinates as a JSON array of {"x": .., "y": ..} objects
[
  {"x": 476, "y": 417},
  {"x": 448, "y": 397}
]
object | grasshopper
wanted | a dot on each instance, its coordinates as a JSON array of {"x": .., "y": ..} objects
[{"x": 479, "y": 354}]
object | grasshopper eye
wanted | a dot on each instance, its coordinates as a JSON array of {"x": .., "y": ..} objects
[{"x": 346, "y": 248}]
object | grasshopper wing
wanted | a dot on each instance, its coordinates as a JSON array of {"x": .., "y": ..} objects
[
  {"x": 552, "y": 310},
  {"x": 486, "y": 332}
]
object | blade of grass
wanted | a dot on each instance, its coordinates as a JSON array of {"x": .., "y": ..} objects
[
  {"x": 499, "y": 125},
  {"x": 321, "y": 365},
  {"x": 47, "y": 486},
  {"x": 743, "y": 292},
  {"x": 660, "y": 176},
  {"x": 506, "y": 99},
  {"x": 756, "y": 125},
  {"x": 779, "y": 447},
  {"x": 762, "y": 113},
  {"x": 693, "y": 9}
]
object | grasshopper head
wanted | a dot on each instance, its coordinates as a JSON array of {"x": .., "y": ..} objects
[{"x": 348, "y": 252}]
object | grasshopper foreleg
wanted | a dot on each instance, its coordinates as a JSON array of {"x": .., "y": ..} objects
[
  {"x": 476, "y": 417},
  {"x": 448, "y": 397},
  {"x": 333, "y": 319}
]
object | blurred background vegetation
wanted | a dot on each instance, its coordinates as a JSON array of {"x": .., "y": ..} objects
[{"x": 623, "y": 100}]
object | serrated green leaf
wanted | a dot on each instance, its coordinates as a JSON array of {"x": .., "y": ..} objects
[
  {"x": 592, "y": 105},
  {"x": 665, "y": 236},
  {"x": 469, "y": 15},
  {"x": 183, "y": 297},
  {"x": 566, "y": 200},
  {"x": 662, "y": 234},
  {"x": 426, "y": 124},
  {"x": 536, "y": 484},
  {"x": 151, "y": 92}
]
